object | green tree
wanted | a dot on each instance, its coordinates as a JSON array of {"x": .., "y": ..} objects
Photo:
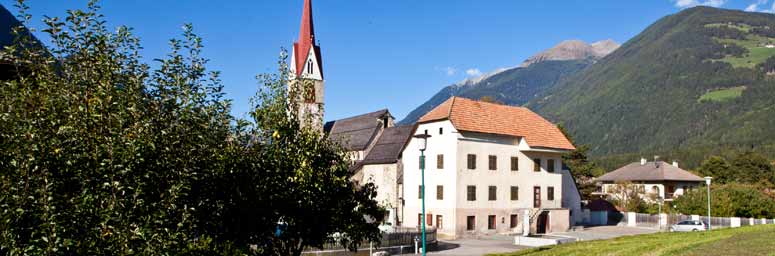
[
  {"x": 324, "y": 201},
  {"x": 728, "y": 200},
  {"x": 751, "y": 167},
  {"x": 102, "y": 155},
  {"x": 718, "y": 168},
  {"x": 629, "y": 197},
  {"x": 581, "y": 167}
]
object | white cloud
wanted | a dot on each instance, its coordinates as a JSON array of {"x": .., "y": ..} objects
[
  {"x": 473, "y": 72},
  {"x": 693, "y": 3},
  {"x": 451, "y": 71},
  {"x": 756, "y": 7}
]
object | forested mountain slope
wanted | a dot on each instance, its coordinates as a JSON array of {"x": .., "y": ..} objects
[
  {"x": 698, "y": 80},
  {"x": 514, "y": 86}
]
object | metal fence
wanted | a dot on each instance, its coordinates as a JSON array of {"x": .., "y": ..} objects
[
  {"x": 647, "y": 220},
  {"x": 401, "y": 236}
]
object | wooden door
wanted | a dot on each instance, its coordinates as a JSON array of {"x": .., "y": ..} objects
[{"x": 536, "y": 197}]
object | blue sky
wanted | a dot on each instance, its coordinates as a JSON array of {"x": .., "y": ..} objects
[{"x": 380, "y": 53}]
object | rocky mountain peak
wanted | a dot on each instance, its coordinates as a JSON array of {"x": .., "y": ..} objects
[{"x": 573, "y": 50}]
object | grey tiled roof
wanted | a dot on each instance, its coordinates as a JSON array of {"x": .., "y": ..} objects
[
  {"x": 389, "y": 146},
  {"x": 650, "y": 171},
  {"x": 356, "y": 133}
]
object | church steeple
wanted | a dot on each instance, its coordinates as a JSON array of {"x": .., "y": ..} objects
[
  {"x": 306, "y": 53},
  {"x": 307, "y": 72}
]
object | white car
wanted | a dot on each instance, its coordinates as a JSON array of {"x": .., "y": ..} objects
[{"x": 689, "y": 225}]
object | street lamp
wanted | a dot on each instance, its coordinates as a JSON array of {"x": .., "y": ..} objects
[
  {"x": 707, "y": 183},
  {"x": 423, "y": 147}
]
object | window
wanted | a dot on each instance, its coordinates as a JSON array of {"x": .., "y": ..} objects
[
  {"x": 439, "y": 222},
  {"x": 537, "y": 164},
  {"x": 309, "y": 67},
  {"x": 550, "y": 165},
  {"x": 471, "y": 193},
  {"x": 470, "y": 222},
  {"x": 471, "y": 162},
  {"x": 550, "y": 193},
  {"x": 492, "y": 163},
  {"x": 441, "y": 130},
  {"x": 419, "y": 192},
  {"x": 439, "y": 192},
  {"x": 439, "y": 161},
  {"x": 514, "y": 221},
  {"x": 419, "y": 219},
  {"x": 514, "y": 193},
  {"x": 491, "y": 195},
  {"x": 429, "y": 219},
  {"x": 491, "y": 222},
  {"x": 514, "y": 163}
]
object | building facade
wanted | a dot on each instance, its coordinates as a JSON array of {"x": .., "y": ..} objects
[
  {"x": 487, "y": 166},
  {"x": 651, "y": 180},
  {"x": 375, "y": 145}
]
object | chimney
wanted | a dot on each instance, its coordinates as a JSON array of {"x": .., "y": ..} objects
[
  {"x": 675, "y": 163},
  {"x": 642, "y": 161},
  {"x": 656, "y": 161}
]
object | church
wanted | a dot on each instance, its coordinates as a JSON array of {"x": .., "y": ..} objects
[{"x": 523, "y": 174}]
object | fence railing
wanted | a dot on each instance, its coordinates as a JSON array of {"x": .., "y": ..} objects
[
  {"x": 401, "y": 236},
  {"x": 664, "y": 221}
]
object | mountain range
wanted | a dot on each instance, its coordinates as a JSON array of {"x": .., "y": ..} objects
[
  {"x": 698, "y": 82},
  {"x": 516, "y": 86}
]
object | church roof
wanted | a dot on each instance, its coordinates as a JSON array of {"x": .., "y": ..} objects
[
  {"x": 356, "y": 133},
  {"x": 649, "y": 171},
  {"x": 389, "y": 146},
  {"x": 306, "y": 41},
  {"x": 477, "y": 116}
]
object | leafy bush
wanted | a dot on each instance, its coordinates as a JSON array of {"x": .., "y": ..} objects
[
  {"x": 102, "y": 155},
  {"x": 728, "y": 200}
]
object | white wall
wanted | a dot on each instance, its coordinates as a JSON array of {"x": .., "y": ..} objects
[
  {"x": 384, "y": 177},
  {"x": 455, "y": 177},
  {"x": 571, "y": 198},
  {"x": 437, "y": 144}
]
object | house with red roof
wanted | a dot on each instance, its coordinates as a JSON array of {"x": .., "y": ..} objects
[{"x": 490, "y": 169}]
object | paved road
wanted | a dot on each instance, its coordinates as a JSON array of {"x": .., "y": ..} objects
[
  {"x": 502, "y": 244},
  {"x": 476, "y": 247}
]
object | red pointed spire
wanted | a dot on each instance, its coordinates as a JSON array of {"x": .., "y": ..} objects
[{"x": 306, "y": 38}]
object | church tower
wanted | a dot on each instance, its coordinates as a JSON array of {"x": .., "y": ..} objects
[{"x": 307, "y": 71}]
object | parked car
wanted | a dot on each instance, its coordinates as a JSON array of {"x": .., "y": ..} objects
[{"x": 689, "y": 225}]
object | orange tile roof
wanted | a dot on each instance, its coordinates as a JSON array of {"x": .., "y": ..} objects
[{"x": 476, "y": 116}]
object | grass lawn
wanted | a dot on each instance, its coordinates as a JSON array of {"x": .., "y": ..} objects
[
  {"x": 752, "y": 240},
  {"x": 723, "y": 94},
  {"x": 756, "y": 55}
]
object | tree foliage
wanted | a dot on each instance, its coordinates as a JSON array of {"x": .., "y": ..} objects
[
  {"x": 746, "y": 167},
  {"x": 728, "y": 200},
  {"x": 100, "y": 154},
  {"x": 629, "y": 197}
]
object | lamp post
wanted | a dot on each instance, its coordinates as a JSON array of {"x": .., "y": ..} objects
[
  {"x": 707, "y": 183},
  {"x": 423, "y": 147},
  {"x": 660, "y": 200}
]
